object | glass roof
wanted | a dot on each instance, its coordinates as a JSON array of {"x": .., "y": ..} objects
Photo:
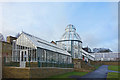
[
  {"x": 70, "y": 33},
  {"x": 26, "y": 39}
]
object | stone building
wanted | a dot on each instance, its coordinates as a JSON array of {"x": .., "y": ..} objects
[
  {"x": 0, "y": 61},
  {"x": 6, "y": 51},
  {"x": 5, "y": 54},
  {"x": 10, "y": 39}
]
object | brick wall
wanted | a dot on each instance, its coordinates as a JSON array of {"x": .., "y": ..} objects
[{"x": 33, "y": 72}]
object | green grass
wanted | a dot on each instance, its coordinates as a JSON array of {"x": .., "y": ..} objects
[
  {"x": 114, "y": 68},
  {"x": 66, "y": 75},
  {"x": 97, "y": 66},
  {"x": 113, "y": 75}
]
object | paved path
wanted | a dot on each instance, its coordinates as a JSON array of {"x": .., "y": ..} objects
[
  {"x": 113, "y": 71},
  {"x": 100, "y": 73}
]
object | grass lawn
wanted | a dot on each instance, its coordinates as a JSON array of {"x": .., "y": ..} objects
[
  {"x": 113, "y": 75},
  {"x": 114, "y": 68},
  {"x": 97, "y": 66},
  {"x": 66, "y": 75}
]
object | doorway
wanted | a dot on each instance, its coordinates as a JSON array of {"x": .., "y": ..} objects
[{"x": 23, "y": 58}]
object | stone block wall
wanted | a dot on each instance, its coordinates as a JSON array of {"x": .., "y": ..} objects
[
  {"x": 33, "y": 72},
  {"x": 46, "y": 72},
  {"x": 0, "y": 60},
  {"x": 80, "y": 65},
  {"x": 104, "y": 62},
  {"x": 110, "y": 62},
  {"x": 16, "y": 72},
  {"x": 6, "y": 52}
]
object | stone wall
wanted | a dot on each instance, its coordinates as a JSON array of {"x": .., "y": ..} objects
[
  {"x": 0, "y": 60},
  {"x": 80, "y": 65},
  {"x": 33, "y": 72},
  {"x": 96, "y": 62},
  {"x": 7, "y": 51},
  {"x": 10, "y": 39},
  {"x": 15, "y": 72},
  {"x": 46, "y": 72},
  {"x": 104, "y": 62},
  {"x": 110, "y": 63}
]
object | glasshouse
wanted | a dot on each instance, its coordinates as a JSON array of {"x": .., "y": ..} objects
[
  {"x": 71, "y": 42},
  {"x": 108, "y": 56},
  {"x": 28, "y": 48}
]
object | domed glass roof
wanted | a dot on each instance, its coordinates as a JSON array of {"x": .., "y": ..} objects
[
  {"x": 1, "y": 37},
  {"x": 70, "y": 33},
  {"x": 70, "y": 28}
]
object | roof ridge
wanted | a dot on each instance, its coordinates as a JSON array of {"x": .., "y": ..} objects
[
  {"x": 34, "y": 36},
  {"x": 43, "y": 40}
]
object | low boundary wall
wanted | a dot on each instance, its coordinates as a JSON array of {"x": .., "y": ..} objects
[
  {"x": 0, "y": 60},
  {"x": 104, "y": 62},
  {"x": 16, "y": 72},
  {"x": 46, "y": 72},
  {"x": 80, "y": 65},
  {"x": 34, "y": 72}
]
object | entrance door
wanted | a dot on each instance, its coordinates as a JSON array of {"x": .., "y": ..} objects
[{"x": 23, "y": 58}]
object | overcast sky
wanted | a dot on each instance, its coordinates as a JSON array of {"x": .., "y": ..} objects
[{"x": 95, "y": 22}]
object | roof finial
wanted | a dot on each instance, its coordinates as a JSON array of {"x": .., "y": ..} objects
[{"x": 22, "y": 30}]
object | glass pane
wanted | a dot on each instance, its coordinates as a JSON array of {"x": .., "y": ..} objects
[{"x": 22, "y": 56}]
